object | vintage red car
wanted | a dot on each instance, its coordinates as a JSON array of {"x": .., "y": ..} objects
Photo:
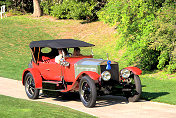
[{"x": 82, "y": 73}]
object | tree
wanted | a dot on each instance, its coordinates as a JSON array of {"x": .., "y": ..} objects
[{"x": 37, "y": 10}]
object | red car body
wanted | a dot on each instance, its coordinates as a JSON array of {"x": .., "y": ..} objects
[{"x": 52, "y": 71}]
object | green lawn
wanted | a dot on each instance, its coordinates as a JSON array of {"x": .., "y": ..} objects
[
  {"x": 18, "y": 31},
  {"x": 18, "y": 108},
  {"x": 159, "y": 87}
]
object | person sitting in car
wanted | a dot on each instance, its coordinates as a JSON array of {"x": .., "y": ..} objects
[
  {"x": 66, "y": 54},
  {"x": 62, "y": 53},
  {"x": 59, "y": 57},
  {"x": 76, "y": 52}
]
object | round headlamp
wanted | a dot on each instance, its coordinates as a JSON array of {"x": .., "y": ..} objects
[
  {"x": 125, "y": 73},
  {"x": 106, "y": 75}
]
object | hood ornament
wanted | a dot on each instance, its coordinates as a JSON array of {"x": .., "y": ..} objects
[{"x": 108, "y": 67}]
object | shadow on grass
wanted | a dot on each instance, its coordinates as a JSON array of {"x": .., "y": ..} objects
[
  {"x": 152, "y": 95},
  {"x": 88, "y": 21}
]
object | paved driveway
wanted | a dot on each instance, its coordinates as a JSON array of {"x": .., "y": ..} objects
[{"x": 106, "y": 107}]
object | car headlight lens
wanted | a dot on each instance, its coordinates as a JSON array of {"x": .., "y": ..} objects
[
  {"x": 106, "y": 75},
  {"x": 125, "y": 73}
]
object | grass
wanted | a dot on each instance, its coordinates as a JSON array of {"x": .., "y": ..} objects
[
  {"x": 18, "y": 108},
  {"x": 159, "y": 87},
  {"x": 18, "y": 31}
]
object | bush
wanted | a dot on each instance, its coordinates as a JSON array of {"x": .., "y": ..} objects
[
  {"x": 46, "y": 5},
  {"x": 81, "y": 11},
  {"x": 146, "y": 29},
  {"x": 18, "y": 6},
  {"x": 8, "y": 3},
  {"x": 72, "y": 9},
  {"x": 60, "y": 11},
  {"x": 15, "y": 12},
  {"x": 164, "y": 37}
]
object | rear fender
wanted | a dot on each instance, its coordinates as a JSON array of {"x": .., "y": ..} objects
[
  {"x": 135, "y": 70},
  {"x": 93, "y": 75},
  {"x": 36, "y": 75}
]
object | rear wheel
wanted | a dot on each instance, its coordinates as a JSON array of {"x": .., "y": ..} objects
[
  {"x": 30, "y": 89},
  {"x": 136, "y": 91},
  {"x": 87, "y": 91}
]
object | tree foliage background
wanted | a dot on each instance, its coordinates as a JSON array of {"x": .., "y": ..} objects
[
  {"x": 25, "y": 6},
  {"x": 73, "y": 9},
  {"x": 147, "y": 28}
]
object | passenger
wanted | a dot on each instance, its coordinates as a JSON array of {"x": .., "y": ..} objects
[
  {"x": 59, "y": 57},
  {"x": 66, "y": 54},
  {"x": 76, "y": 52}
]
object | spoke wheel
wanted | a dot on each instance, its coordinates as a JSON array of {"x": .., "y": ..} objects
[
  {"x": 135, "y": 94},
  {"x": 87, "y": 91},
  {"x": 30, "y": 89}
]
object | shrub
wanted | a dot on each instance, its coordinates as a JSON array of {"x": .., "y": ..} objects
[
  {"x": 8, "y": 3},
  {"x": 17, "y": 6},
  {"x": 60, "y": 11},
  {"x": 146, "y": 29},
  {"x": 75, "y": 9},
  {"x": 46, "y": 5},
  {"x": 164, "y": 37}
]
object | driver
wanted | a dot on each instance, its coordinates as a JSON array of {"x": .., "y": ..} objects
[{"x": 76, "y": 52}]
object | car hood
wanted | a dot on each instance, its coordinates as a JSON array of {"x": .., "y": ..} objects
[
  {"x": 88, "y": 64},
  {"x": 90, "y": 61}
]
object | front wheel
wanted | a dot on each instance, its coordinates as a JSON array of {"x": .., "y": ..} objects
[
  {"x": 136, "y": 91},
  {"x": 30, "y": 89},
  {"x": 87, "y": 91}
]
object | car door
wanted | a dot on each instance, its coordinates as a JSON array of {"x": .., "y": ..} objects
[{"x": 50, "y": 71}]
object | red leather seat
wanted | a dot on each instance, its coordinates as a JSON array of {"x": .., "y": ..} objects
[{"x": 45, "y": 59}]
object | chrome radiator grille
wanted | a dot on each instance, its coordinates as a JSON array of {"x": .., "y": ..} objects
[{"x": 114, "y": 71}]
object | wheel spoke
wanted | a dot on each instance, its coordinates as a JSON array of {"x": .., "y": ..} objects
[
  {"x": 32, "y": 90},
  {"x": 30, "y": 81},
  {"x": 86, "y": 92}
]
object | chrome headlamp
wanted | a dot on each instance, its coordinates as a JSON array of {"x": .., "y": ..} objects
[
  {"x": 125, "y": 73},
  {"x": 106, "y": 75}
]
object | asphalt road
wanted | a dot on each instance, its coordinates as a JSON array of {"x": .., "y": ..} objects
[{"x": 106, "y": 107}]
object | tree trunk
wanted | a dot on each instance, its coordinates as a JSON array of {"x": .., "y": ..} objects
[{"x": 37, "y": 10}]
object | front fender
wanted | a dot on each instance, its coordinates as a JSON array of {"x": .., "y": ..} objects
[
  {"x": 93, "y": 75},
  {"x": 135, "y": 70},
  {"x": 36, "y": 75}
]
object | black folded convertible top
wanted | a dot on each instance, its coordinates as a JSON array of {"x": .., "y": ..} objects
[{"x": 60, "y": 43}]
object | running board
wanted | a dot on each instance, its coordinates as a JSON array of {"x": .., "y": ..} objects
[
  {"x": 54, "y": 90},
  {"x": 52, "y": 82}
]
